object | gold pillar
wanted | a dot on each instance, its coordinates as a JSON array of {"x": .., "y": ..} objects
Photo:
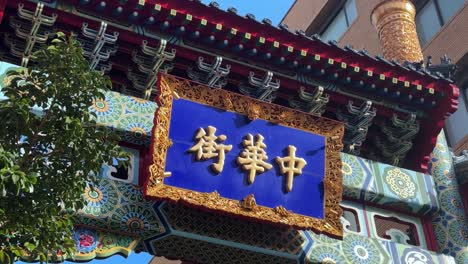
[{"x": 394, "y": 21}]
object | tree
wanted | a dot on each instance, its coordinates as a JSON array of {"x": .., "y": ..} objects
[{"x": 47, "y": 159}]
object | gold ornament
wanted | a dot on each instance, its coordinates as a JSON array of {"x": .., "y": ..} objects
[{"x": 249, "y": 202}]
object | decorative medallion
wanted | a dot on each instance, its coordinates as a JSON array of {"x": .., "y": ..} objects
[
  {"x": 400, "y": 183},
  {"x": 450, "y": 200},
  {"x": 108, "y": 109},
  {"x": 353, "y": 173},
  {"x": 458, "y": 232},
  {"x": 359, "y": 249},
  {"x": 138, "y": 127},
  {"x": 416, "y": 256},
  {"x": 326, "y": 255},
  {"x": 140, "y": 106},
  {"x": 100, "y": 199},
  {"x": 86, "y": 240},
  {"x": 136, "y": 219}
]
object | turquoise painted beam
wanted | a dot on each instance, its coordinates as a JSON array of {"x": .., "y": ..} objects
[
  {"x": 389, "y": 186},
  {"x": 450, "y": 223},
  {"x": 185, "y": 233}
]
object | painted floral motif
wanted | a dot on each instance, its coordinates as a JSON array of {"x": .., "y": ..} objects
[
  {"x": 462, "y": 257},
  {"x": 416, "y": 256},
  {"x": 359, "y": 249},
  {"x": 130, "y": 192},
  {"x": 92, "y": 244},
  {"x": 84, "y": 219},
  {"x": 353, "y": 173},
  {"x": 458, "y": 232},
  {"x": 346, "y": 169},
  {"x": 400, "y": 183},
  {"x": 100, "y": 199},
  {"x": 322, "y": 239},
  {"x": 136, "y": 219},
  {"x": 109, "y": 109},
  {"x": 441, "y": 174},
  {"x": 141, "y": 106},
  {"x": 450, "y": 225},
  {"x": 325, "y": 255},
  {"x": 109, "y": 241},
  {"x": 137, "y": 129},
  {"x": 441, "y": 234},
  {"x": 86, "y": 240},
  {"x": 450, "y": 200}
]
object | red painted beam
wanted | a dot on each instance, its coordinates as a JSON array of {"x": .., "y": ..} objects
[{"x": 2, "y": 9}]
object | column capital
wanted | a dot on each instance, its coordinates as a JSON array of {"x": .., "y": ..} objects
[
  {"x": 394, "y": 21},
  {"x": 387, "y": 9}
]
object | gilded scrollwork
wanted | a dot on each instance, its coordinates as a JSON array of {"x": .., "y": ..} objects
[
  {"x": 249, "y": 203},
  {"x": 332, "y": 130},
  {"x": 282, "y": 211}
]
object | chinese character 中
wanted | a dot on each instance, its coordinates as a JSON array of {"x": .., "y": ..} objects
[
  {"x": 253, "y": 157},
  {"x": 290, "y": 165},
  {"x": 209, "y": 146}
]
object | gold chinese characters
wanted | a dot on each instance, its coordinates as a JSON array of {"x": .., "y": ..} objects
[
  {"x": 209, "y": 146},
  {"x": 253, "y": 158},
  {"x": 290, "y": 165}
]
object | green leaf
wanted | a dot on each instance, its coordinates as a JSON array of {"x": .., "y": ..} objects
[
  {"x": 60, "y": 34},
  {"x": 30, "y": 246},
  {"x": 15, "y": 178}
]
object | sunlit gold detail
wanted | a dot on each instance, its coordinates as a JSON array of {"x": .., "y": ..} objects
[
  {"x": 253, "y": 111},
  {"x": 394, "y": 21},
  {"x": 282, "y": 211},
  {"x": 290, "y": 166},
  {"x": 332, "y": 131},
  {"x": 253, "y": 157},
  {"x": 227, "y": 102},
  {"x": 176, "y": 96},
  {"x": 249, "y": 203},
  {"x": 209, "y": 146}
]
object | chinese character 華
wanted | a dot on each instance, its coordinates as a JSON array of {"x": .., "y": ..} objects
[{"x": 253, "y": 157}]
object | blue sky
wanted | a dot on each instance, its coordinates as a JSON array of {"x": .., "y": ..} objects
[{"x": 272, "y": 9}]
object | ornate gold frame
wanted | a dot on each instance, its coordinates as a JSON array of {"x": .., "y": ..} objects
[{"x": 172, "y": 88}]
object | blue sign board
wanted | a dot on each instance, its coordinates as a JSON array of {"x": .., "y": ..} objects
[
  {"x": 268, "y": 188},
  {"x": 225, "y": 152}
]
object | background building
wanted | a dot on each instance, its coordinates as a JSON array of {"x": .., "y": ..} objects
[{"x": 441, "y": 27}]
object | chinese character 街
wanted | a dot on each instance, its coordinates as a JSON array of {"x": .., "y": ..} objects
[{"x": 209, "y": 146}]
